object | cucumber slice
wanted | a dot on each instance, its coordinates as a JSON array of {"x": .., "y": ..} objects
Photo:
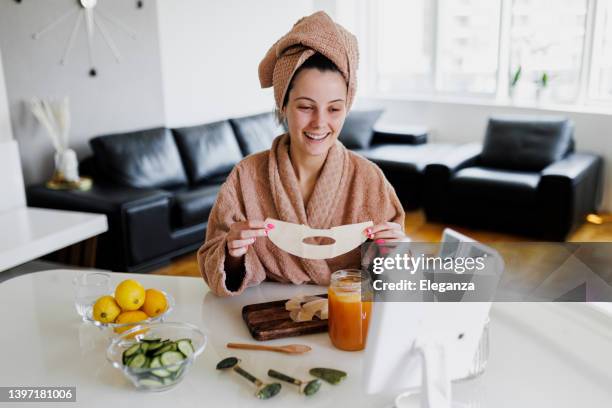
[
  {"x": 158, "y": 340},
  {"x": 162, "y": 350},
  {"x": 171, "y": 359},
  {"x": 161, "y": 373},
  {"x": 138, "y": 361},
  {"x": 129, "y": 359},
  {"x": 150, "y": 382},
  {"x": 176, "y": 375},
  {"x": 144, "y": 347},
  {"x": 158, "y": 370},
  {"x": 168, "y": 381},
  {"x": 132, "y": 350},
  {"x": 147, "y": 363},
  {"x": 185, "y": 347},
  {"x": 154, "y": 346}
]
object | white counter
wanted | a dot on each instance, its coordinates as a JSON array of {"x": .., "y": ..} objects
[
  {"x": 542, "y": 355},
  {"x": 28, "y": 233}
]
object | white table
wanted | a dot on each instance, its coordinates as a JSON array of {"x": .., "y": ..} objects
[
  {"x": 542, "y": 355},
  {"x": 28, "y": 233}
]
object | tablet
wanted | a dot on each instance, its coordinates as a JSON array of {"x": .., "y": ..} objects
[{"x": 399, "y": 329}]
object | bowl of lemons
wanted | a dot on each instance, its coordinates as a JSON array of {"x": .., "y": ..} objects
[
  {"x": 156, "y": 356},
  {"x": 129, "y": 305}
]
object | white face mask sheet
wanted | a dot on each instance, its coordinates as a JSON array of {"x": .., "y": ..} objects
[{"x": 289, "y": 237}]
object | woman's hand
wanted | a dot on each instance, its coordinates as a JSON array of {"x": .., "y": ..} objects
[
  {"x": 243, "y": 234},
  {"x": 386, "y": 232}
]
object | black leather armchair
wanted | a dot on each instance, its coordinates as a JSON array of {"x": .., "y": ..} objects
[{"x": 526, "y": 179}]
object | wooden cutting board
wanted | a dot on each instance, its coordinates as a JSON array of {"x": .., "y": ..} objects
[{"x": 270, "y": 320}]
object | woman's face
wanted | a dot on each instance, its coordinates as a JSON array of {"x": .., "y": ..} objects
[{"x": 315, "y": 111}]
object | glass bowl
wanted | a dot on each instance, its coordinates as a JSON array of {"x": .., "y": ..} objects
[
  {"x": 164, "y": 366},
  {"x": 112, "y": 326}
]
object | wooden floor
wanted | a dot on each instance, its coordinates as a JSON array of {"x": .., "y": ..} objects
[{"x": 418, "y": 229}]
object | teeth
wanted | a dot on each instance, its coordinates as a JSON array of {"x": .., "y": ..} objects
[{"x": 314, "y": 136}]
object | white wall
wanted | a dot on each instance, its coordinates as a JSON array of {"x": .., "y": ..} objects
[
  {"x": 123, "y": 96},
  {"x": 455, "y": 122},
  {"x": 6, "y": 132},
  {"x": 210, "y": 52}
]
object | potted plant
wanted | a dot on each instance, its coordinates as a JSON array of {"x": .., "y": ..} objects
[{"x": 54, "y": 116}]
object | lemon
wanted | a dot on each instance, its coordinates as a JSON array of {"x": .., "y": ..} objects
[
  {"x": 130, "y": 295},
  {"x": 155, "y": 303},
  {"x": 133, "y": 316},
  {"x": 106, "y": 310}
]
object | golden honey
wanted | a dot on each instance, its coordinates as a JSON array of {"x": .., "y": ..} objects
[{"x": 349, "y": 315}]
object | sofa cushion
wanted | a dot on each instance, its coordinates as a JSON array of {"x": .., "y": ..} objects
[
  {"x": 526, "y": 143},
  {"x": 492, "y": 185},
  {"x": 143, "y": 159},
  {"x": 399, "y": 134},
  {"x": 407, "y": 157},
  {"x": 207, "y": 150},
  {"x": 256, "y": 133},
  {"x": 358, "y": 128},
  {"x": 193, "y": 206}
]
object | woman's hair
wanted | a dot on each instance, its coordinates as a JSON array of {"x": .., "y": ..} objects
[{"x": 318, "y": 61}]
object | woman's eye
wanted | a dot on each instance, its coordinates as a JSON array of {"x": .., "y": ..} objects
[
  {"x": 305, "y": 107},
  {"x": 334, "y": 110}
]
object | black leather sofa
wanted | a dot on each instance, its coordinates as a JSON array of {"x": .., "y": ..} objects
[
  {"x": 158, "y": 186},
  {"x": 526, "y": 179}
]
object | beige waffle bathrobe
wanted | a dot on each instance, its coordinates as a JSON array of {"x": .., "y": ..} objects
[{"x": 350, "y": 189}]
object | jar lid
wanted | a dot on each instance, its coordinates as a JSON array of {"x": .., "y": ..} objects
[{"x": 348, "y": 280}]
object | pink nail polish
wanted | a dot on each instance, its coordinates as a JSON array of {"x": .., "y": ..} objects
[
  {"x": 379, "y": 241},
  {"x": 270, "y": 226}
]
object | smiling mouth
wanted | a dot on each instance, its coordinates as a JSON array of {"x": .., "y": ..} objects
[{"x": 316, "y": 137}]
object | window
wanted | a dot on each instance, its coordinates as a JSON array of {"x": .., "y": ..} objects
[
  {"x": 600, "y": 87},
  {"x": 404, "y": 60},
  {"x": 468, "y": 38},
  {"x": 546, "y": 42},
  {"x": 563, "y": 49}
]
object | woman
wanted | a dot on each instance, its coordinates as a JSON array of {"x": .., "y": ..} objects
[{"x": 307, "y": 177}]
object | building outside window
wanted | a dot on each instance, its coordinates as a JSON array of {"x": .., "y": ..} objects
[
  {"x": 468, "y": 38},
  {"x": 404, "y": 46}
]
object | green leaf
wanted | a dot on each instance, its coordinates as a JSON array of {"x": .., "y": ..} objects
[{"x": 516, "y": 76}]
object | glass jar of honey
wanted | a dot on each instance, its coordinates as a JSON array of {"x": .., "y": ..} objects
[{"x": 349, "y": 314}]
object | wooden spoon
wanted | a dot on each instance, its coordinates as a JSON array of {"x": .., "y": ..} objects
[{"x": 289, "y": 348}]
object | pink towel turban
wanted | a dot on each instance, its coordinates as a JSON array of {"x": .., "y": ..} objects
[{"x": 312, "y": 34}]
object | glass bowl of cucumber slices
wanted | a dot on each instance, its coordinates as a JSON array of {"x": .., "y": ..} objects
[{"x": 156, "y": 356}]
